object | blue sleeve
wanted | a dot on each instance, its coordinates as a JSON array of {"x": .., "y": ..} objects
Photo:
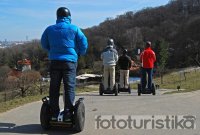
[
  {"x": 82, "y": 43},
  {"x": 45, "y": 41}
]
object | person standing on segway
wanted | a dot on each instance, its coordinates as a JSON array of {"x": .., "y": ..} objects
[
  {"x": 64, "y": 43},
  {"x": 147, "y": 59},
  {"x": 109, "y": 57},
  {"x": 124, "y": 65}
]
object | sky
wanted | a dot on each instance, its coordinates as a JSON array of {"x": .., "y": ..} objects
[{"x": 22, "y": 20}]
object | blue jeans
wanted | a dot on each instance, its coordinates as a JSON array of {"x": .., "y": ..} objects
[
  {"x": 66, "y": 71},
  {"x": 146, "y": 71}
]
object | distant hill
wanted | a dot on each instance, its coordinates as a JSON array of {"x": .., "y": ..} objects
[{"x": 177, "y": 23}]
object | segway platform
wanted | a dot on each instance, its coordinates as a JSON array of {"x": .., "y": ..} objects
[
  {"x": 124, "y": 89},
  {"x": 108, "y": 91},
  {"x": 76, "y": 123},
  {"x": 146, "y": 91}
]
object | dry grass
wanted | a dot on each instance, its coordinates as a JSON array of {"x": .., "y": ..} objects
[
  {"x": 188, "y": 80},
  {"x": 5, "y": 106}
]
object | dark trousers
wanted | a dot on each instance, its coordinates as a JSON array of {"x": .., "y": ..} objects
[
  {"x": 146, "y": 71},
  {"x": 66, "y": 71}
]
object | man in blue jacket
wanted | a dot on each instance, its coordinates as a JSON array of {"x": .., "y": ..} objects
[{"x": 64, "y": 43}]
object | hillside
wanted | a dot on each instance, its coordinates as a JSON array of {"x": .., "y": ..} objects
[{"x": 176, "y": 23}]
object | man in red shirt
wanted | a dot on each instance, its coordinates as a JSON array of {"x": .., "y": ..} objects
[{"x": 147, "y": 59}]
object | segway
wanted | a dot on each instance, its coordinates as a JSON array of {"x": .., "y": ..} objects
[
  {"x": 108, "y": 90},
  {"x": 124, "y": 89},
  {"x": 76, "y": 124},
  {"x": 146, "y": 90}
]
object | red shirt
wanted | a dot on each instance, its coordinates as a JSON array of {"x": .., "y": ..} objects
[{"x": 148, "y": 58}]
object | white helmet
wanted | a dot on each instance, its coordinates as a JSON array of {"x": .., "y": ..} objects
[{"x": 110, "y": 42}]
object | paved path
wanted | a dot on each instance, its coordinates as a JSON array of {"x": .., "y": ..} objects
[{"x": 25, "y": 119}]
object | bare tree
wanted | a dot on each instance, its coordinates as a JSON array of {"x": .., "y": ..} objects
[{"x": 26, "y": 80}]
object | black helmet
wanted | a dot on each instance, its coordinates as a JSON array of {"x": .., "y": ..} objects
[
  {"x": 125, "y": 51},
  {"x": 110, "y": 42},
  {"x": 63, "y": 12}
]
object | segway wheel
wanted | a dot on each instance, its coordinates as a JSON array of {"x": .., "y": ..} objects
[
  {"x": 116, "y": 89},
  {"x": 129, "y": 89},
  {"x": 45, "y": 116},
  {"x": 79, "y": 117},
  {"x": 101, "y": 88},
  {"x": 153, "y": 89},
  {"x": 139, "y": 89}
]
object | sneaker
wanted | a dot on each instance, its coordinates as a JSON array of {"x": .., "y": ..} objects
[
  {"x": 148, "y": 89},
  {"x": 53, "y": 118},
  {"x": 67, "y": 117},
  {"x": 108, "y": 89}
]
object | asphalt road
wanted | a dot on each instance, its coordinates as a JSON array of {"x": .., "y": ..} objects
[{"x": 25, "y": 119}]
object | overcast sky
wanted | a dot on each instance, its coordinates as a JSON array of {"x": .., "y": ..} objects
[{"x": 20, "y": 19}]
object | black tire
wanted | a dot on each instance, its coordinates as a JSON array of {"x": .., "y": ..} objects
[
  {"x": 139, "y": 89},
  {"x": 116, "y": 89},
  {"x": 101, "y": 88},
  {"x": 45, "y": 116},
  {"x": 129, "y": 89},
  {"x": 79, "y": 117},
  {"x": 153, "y": 89}
]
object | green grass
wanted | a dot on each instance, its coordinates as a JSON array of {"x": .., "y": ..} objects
[
  {"x": 134, "y": 86},
  {"x": 86, "y": 89},
  {"x": 5, "y": 106},
  {"x": 187, "y": 83},
  {"x": 180, "y": 91}
]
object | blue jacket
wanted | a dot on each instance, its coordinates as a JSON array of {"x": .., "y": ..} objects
[{"x": 64, "y": 41}]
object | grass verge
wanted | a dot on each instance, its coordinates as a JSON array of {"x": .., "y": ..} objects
[
  {"x": 188, "y": 80},
  {"x": 5, "y": 106}
]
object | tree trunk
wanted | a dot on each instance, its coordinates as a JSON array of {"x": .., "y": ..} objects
[
  {"x": 22, "y": 92},
  {"x": 161, "y": 78}
]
